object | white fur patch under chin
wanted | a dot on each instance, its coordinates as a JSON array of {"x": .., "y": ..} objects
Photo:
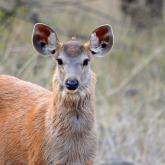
[
  {"x": 77, "y": 95},
  {"x": 72, "y": 91},
  {"x": 69, "y": 96}
]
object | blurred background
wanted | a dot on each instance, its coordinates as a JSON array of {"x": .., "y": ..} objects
[{"x": 130, "y": 90}]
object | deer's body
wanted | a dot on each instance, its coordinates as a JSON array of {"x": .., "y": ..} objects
[
  {"x": 20, "y": 138},
  {"x": 39, "y": 127},
  {"x": 44, "y": 128}
]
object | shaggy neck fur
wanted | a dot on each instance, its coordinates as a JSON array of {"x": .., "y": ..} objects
[{"x": 71, "y": 125}]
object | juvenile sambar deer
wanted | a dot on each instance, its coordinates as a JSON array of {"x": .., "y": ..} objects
[{"x": 39, "y": 127}]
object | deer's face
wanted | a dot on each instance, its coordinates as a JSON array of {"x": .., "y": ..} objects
[
  {"x": 73, "y": 58},
  {"x": 73, "y": 66}
]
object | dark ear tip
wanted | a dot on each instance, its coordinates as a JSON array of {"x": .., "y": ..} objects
[
  {"x": 43, "y": 26},
  {"x": 107, "y": 26},
  {"x": 38, "y": 24}
]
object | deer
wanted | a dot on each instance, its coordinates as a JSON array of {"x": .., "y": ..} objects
[{"x": 40, "y": 127}]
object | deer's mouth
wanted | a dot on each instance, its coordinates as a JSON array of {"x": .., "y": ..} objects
[
  {"x": 67, "y": 91},
  {"x": 72, "y": 91}
]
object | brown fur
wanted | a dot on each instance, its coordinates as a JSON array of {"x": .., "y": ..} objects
[
  {"x": 38, "y": 127},
  {"x": 73, "y": 49}
]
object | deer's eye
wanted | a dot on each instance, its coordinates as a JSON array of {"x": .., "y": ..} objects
[
  {"x": 59, "y": 61},
  {"x": 85, "y": 63}
]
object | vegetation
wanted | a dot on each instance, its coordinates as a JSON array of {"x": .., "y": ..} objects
[{"x": 130, "y": 91}]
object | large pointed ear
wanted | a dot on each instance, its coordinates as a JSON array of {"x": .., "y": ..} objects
[
  {"x": 101, "y": 41},
  {"x": 44, "y": 40}
]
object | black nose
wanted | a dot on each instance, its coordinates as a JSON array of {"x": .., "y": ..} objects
[{"x": 72, "y": 84}]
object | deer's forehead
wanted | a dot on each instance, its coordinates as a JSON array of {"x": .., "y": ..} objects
[{"x": 73, "y": 49}]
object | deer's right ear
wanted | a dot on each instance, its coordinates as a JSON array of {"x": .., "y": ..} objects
[{"x": 44, "y": 40}]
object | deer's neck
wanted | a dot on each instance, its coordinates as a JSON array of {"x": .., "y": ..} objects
[
  {"x": 71, "y": 124},
  {"x": 73, "y": 112}
]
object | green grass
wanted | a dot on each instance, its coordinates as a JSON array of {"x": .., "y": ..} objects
[{"x": 130, "y": 92}]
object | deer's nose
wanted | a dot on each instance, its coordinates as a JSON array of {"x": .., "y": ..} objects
[{"x": 72, "y": 84}]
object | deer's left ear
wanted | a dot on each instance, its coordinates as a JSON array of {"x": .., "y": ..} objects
[{"x": 101, "y": 41}]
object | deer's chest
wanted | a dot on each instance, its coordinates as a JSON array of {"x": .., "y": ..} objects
[{"x": 77, "y": 149}]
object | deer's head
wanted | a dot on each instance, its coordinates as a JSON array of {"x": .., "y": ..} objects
[{"x": 73, "y": 58}]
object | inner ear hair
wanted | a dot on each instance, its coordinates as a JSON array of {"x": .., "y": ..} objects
[{"x": 101, "y": 41}]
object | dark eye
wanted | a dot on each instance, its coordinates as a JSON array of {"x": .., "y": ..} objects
[
  {"x": 59, "y": 61},
  {"x": 85, "y": 63}
]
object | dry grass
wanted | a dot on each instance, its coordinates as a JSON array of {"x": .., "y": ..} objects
[{"x": 130, "y": 92}]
